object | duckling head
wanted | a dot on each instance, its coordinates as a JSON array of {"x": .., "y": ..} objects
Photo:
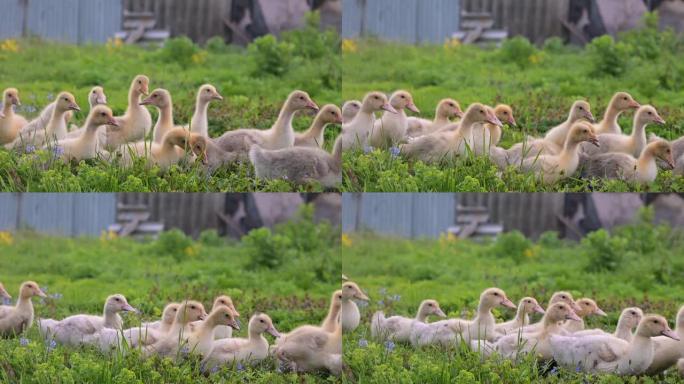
[
  {"x": 141, "y": 84},
  {"x": 351, "y": 290},
  {"x": 480, "y": 113},
  {"x": 663, "y": 151},
  {"x": 208, "y": 92},
  {"x": 403, "y": 100},
  {"x": 655, "y": 325},
  {"x": 623, "y": 101},
  {"x": 190, "y": 311},
  {"x": 118, "y": 303},
  {"x": 582, "y": 131},
  {"x": 11, "y": 97},
  {"x": 67, "y": 102},
  {"x": 561, "y": 311},
  {"x": 330, "y": 114},
  {"x": 530, "y": 305},
  {"x": 97, "y": 96},
  {"x": 299, "y": 100},
  {"x": 647, "y": 114},
  {"x": 631, "y": 316},
  {"x": 564, "y": 297},
  {"x": 223, "y": 315},
  {"x": 103, "y": 115},
  {"x": 29, "y": 289},
  {"x": 160, "y": 98},
  {"x": 169, "y": 313},
  {"x": 350, "y": 109},
  {"x": 376, "y": 101},
  {"x": 226, "y": 301},
  {"x": 261, "y": 322},
  {"x": 449, "y": 108},
  {"x": 431, "y": 307},
  {"x": 493, "y": 297},
  {"x": 589, "y": 307},
  {"x": 198, "y": 144},
  {"x": 581, "y": 110},
  {"x": 505, "y": 114}
]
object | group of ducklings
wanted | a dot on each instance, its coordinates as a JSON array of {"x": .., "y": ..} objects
[
  {"x": 185, "y": 328},
  {"x": 275, "y": 153},
  {"x": 559, "y": 335},
  {"x": 597, "y": 149}
]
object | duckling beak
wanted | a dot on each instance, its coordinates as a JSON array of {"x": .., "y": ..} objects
[
  {"x": 573, "y": 316},
  {"x": 600, "y": 312},
  {"x": 537, "y": 308},
  {"x": 146, "y": 101},
  {"x": 412, "y": 107},
  {"x": 576, "y": 307},
  {"x": 594, "y": 140},
  {"x": 338, "y": 120},
  {"x": 4, "y": 294},
  {"x": 440, "y": 313},
  {"x": 361, "y": 296},
  {"x": 113, "y": 122},
  {"x": 507, "y": 303},
  {"x": 511, "y": 121},
  {"x": 203, "y": 316},
  {"x": 101, "y": 100},
  {"x": 492, "y": 119},
  {"x": 274, "y": 332},
  {"x": 670, "y": 161},
  {"x": 387, "y": 107},
  {"x": 41, "y": 293},
  {"x": 144, "y": 90},
  {"x": 74, "y": 107},
  {"x": 589, "y": 117},
  {"x": 633, "y": 104},
  {"x": 459, "y": 114},
  {"x": 311, "y": 105},
  {"x": 233, "y": 324},
  {"x": 129, "y": 308},
  {"x": 16, "y": 101},
  {"x": 659, "y": 120},
  {"x": 671, "y": 334},
  {"x": 205, "y": 161},
  {"x": 217, "y": 96}
]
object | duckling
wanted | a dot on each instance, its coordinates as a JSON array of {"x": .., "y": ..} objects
[
  {"x": 221, "y": 331},
  {"x": 55, "y": 128},
  {"x": 623, "y": 166},
  {"x": 4, "y": 294},
  {"x": 252, "y": 349},
  {"x": 445, "y": 145},
  {"x": 201, "y": 339},
  {"x": 300, "y": 165},
  {"x": 629, "y": 319},
  {"x": 96, "y": 97},
  {"x": 526, "y": 306},
  {"x": 447, "y": 332},
  {"x": 587, "y": 307},
  {"x": 557, "y": 297},
  {"x": 633, "y": 144},
  {"x": 391, "y": 128},
  {"x": 314, "y": 136},
  {"x": 485, "y": 136},
  {"x": 355, "y": 134},
  {"x": 168, "y": 315},
  {"x": 171, "y": 343},
  {"x": 308, "y": 348},
  {"x": 349, "y": 110},
  {"x": 200, "y": 123},
  {"x": 83, "y": 329},
  {"x": 11, "y": 123},
  {"x": 667, "y": 351},
  {"x": 609, "y": 354},
  {"x": 446, "y": 110},
  {"x": 513, "y": 345},
  {"x": 620, "y": 102},
  {"x": 17, "y": 319},
  {"x": 350, "y": 316},
  {"x": 85, "y": 147},
  {"x": 552, "y": 168},
  {"x": 398, "y": 328},
  {"x": 280, "y": 135},
  {"x": 161, "y": 98},
  {"x": 136, "y": 123},
  {"x": 330, "y": 322},
  {"x": 145, "y": 334},
  {"x": 171, "y": 151}
]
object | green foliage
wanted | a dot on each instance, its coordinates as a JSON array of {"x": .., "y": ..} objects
[
  {"x": 211, "y": 238},
  {"x": 517, "y": 50},
  {"x": 265, "y": 249},
  {"x": 607, "y": 56},
  {"x": 603, "y": 250},
  {"x": 554, "y": 45},
  {"x": 179, "y": 50},
  {"x": 173, "y": 243},
  {"x": 270, "y": 55},
  {"x": 512, "y": 245},
  {"x": 216, "y": 45}
]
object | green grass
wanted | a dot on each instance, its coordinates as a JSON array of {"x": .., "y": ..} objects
[
  {"x": 79, "y": 273},
  {"x": 254, "y": 82},
  {"x": 637, "y": 265},
  {"x": 539, "y": 83}
]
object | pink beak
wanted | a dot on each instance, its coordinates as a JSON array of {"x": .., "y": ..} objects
[
  {"x": 589, "y": 116},
  {"x": 459, "y": 113},
  {"x": 129, "y": 308},
  {"x": 274, "y": 332},
  {"x": 573, "y": 316},
  {"x": 412, "y": 107},
  {"x": 492, "y": 119},
  {"x": 634, "y": 104},
  {"x": 659, "y": 120},
  {"x": 508, "y": 303},
  {"x": 511, "y": 121},
  {"x": 537, "y": 308},
  {"x": 670, "y": 162},
  {"x": 112, "y": 121},
  {"x": 74, "y": 107},
  {"x": 217, "y": 97},
  {"x": 387, "y": 107},
  {"x": 310, "y": 104},
  {"x": 671, "y": 334},
  {"x": 600, "y": 312}
]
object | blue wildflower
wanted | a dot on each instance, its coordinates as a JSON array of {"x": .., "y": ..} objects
[
  {"x": 383, "y": 291},
  {"x": 56, "y": 296},
  {"x": 554, "y": 371},
  {"x": 368, "y": 149},
  {"x": 363, "y": 343},
  {"x": 51, "y": 345},
  {"x": 50, "y": 96},
  {"x": 240, "y": 367},
  {"x": 24, "y": 341},
  {"x": 215, "y": 369},
  {"x": 30, "y": 148},
  {"x": 389, "y": 345},
  {"x": 381, "y": 302},
  {"x": 394, "y": 151},
  {"x": 58, "y": 151},
  {"x": 6, "y": 301},
  {"x": 395, "y": 297}
]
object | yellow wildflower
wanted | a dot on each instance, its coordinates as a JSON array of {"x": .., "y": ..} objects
[
  {"x": 536, "y": 58},
  {"x": 190, "y": 251},
  {"x": 451, "y": 44},
  {"x": 349, "y": 46},
  {"x": 447, "y": 238},
  {"x": 200, "y": 57},
  {"x": 9, "y": 45},
  {"x": 346, "y": 240},
  {"x": 6, "y": 238}
]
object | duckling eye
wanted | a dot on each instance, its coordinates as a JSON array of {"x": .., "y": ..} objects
[
  {"x": 261, "y": 320},
  {"x": 430, "y": 305},
  {"x": 624, "y": 98},
  {"x": 581, "y": 108},
  {"x": 655, "y": 321},
  {"x": 94, "y": 92},
  {"x": 66, "y": 99},
  {"x": 301, "y": 97},
  {"x": 632, "y": 313},
  {"x": 103, "y": 114},
  {"x": 496, "y": 294},
  {"x": 117, "y": 299},
  {"x": 505, "y": 113},
  {"x": 139, "y": 81},
  {"x": 402, "y": 96},
  {"x": 376, "y": 97},
  {"x": 207, "y": 90},
  {"x": 192, "y": 307},
  {"x": 339, "y": 296},
  {"x": 585, "y": 131},
  {"x": 650, "y": 113}
]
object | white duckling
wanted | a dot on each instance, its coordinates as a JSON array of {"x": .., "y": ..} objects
[
  {"x": 668, "y": 351},
  {"x": 526, "y": 306},
  {"x": 632, "y": 144},
  {"x": 55, "y": 129},
  {"x": 200, "y": 122},
  {"x": 148, "y": 333},
  {"x": 486, "y": 136},
  {"x": 308, "y": 348},
  {"x": 355, "y": 134},
  {"x": 557, "y": 297},
  {"x": 84, "y": 329},
  {"x": 136, "y": 123},
  {"x": 391, "y": 128},
  {"x": 446, "y": 145},
  {"x": 11, "y": 122},
  {"x": 629, "y": 319},
  {"x": 168, "y": 315},
  {"x": 447, "y": 332},
  {"x": 221, "y": 331},
  {"x": 620, "y": 102},
  {"x": 349, "y": 110},
  {"x": 314, "y": 136},
  {"x": 280, "y": 135},
  {"x": 161, "y": 98},
  {"x": 587, "y": 307},
  {"x": 330, "y": 322},
  {"x": 85, "y": 146},
  {"x": 96, "y": 97},
  {"x": 446, "y": 110},
  {"x": 201, "y": 339},
  {"x": 5, "y": 295},
  {"x": 177, "y": 336},
  {"x": 252, "y": 349},
  {"x": 350, "y": 315},
  {"x": 609, "y": 354},
  {"x": 515, "y": 344},
  {"x": 171, "y": 151},
  {"x": 300, "y": 165},
  {"x": 398, "y": 328},
  {"x": 552, "y": 168},
  {"x": 15, "y": 320},
  {"x": 623, "y": 166}
]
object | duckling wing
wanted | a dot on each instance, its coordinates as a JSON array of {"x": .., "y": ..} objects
[
  {"x": 5, "y": 310},
  {"x": 590, "y": 353},
  {"x": 228, "y": 346},
  {"x": 610, "y": 165}
]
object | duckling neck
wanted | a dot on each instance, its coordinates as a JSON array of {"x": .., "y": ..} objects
[
  {"x": 24, "y": 303},
  {"x": 284, "y": 122},
  {"x": 255, "y": 336},
  {"x": 199, "y": 122},
  {"x": 623, "y": 330},
  {"x": 611, "y": 116},
  {"x": 112, "y": 319},
  {"x": 134, "y": 100},
  {"x": 56, "y": 125},
  {"x": 7, "y": 109},
  {"x": 165, "y": 120},
  {"x": 521, "y": 317},
  {"x": 646, "y": 164},
  {"x": 465, "y": 128},
  {"x": 638, "y": 136},
  {"x": 569, "y": 154},
  {"x": 484, "y": 311},
  {"x": 422, "y": 315},
  {"x": 316, "y": 129},
  {"x": 641, "y": 345},
  {"x": 440, "y": 117}
]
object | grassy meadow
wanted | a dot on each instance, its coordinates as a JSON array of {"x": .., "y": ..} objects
[
  {"x": 540, "y": 83},
  {"x": 254, "y": 83},
  {"x": 288, "y": 273},
  {"x": 636, "y": 265}
]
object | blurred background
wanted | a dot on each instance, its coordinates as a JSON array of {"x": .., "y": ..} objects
[
  {"x": 134, "y": 21},
  {"x": 433, "y": 21},
  {"x": 474, "y": 215},
  {"x": 148, "y": 214}
]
